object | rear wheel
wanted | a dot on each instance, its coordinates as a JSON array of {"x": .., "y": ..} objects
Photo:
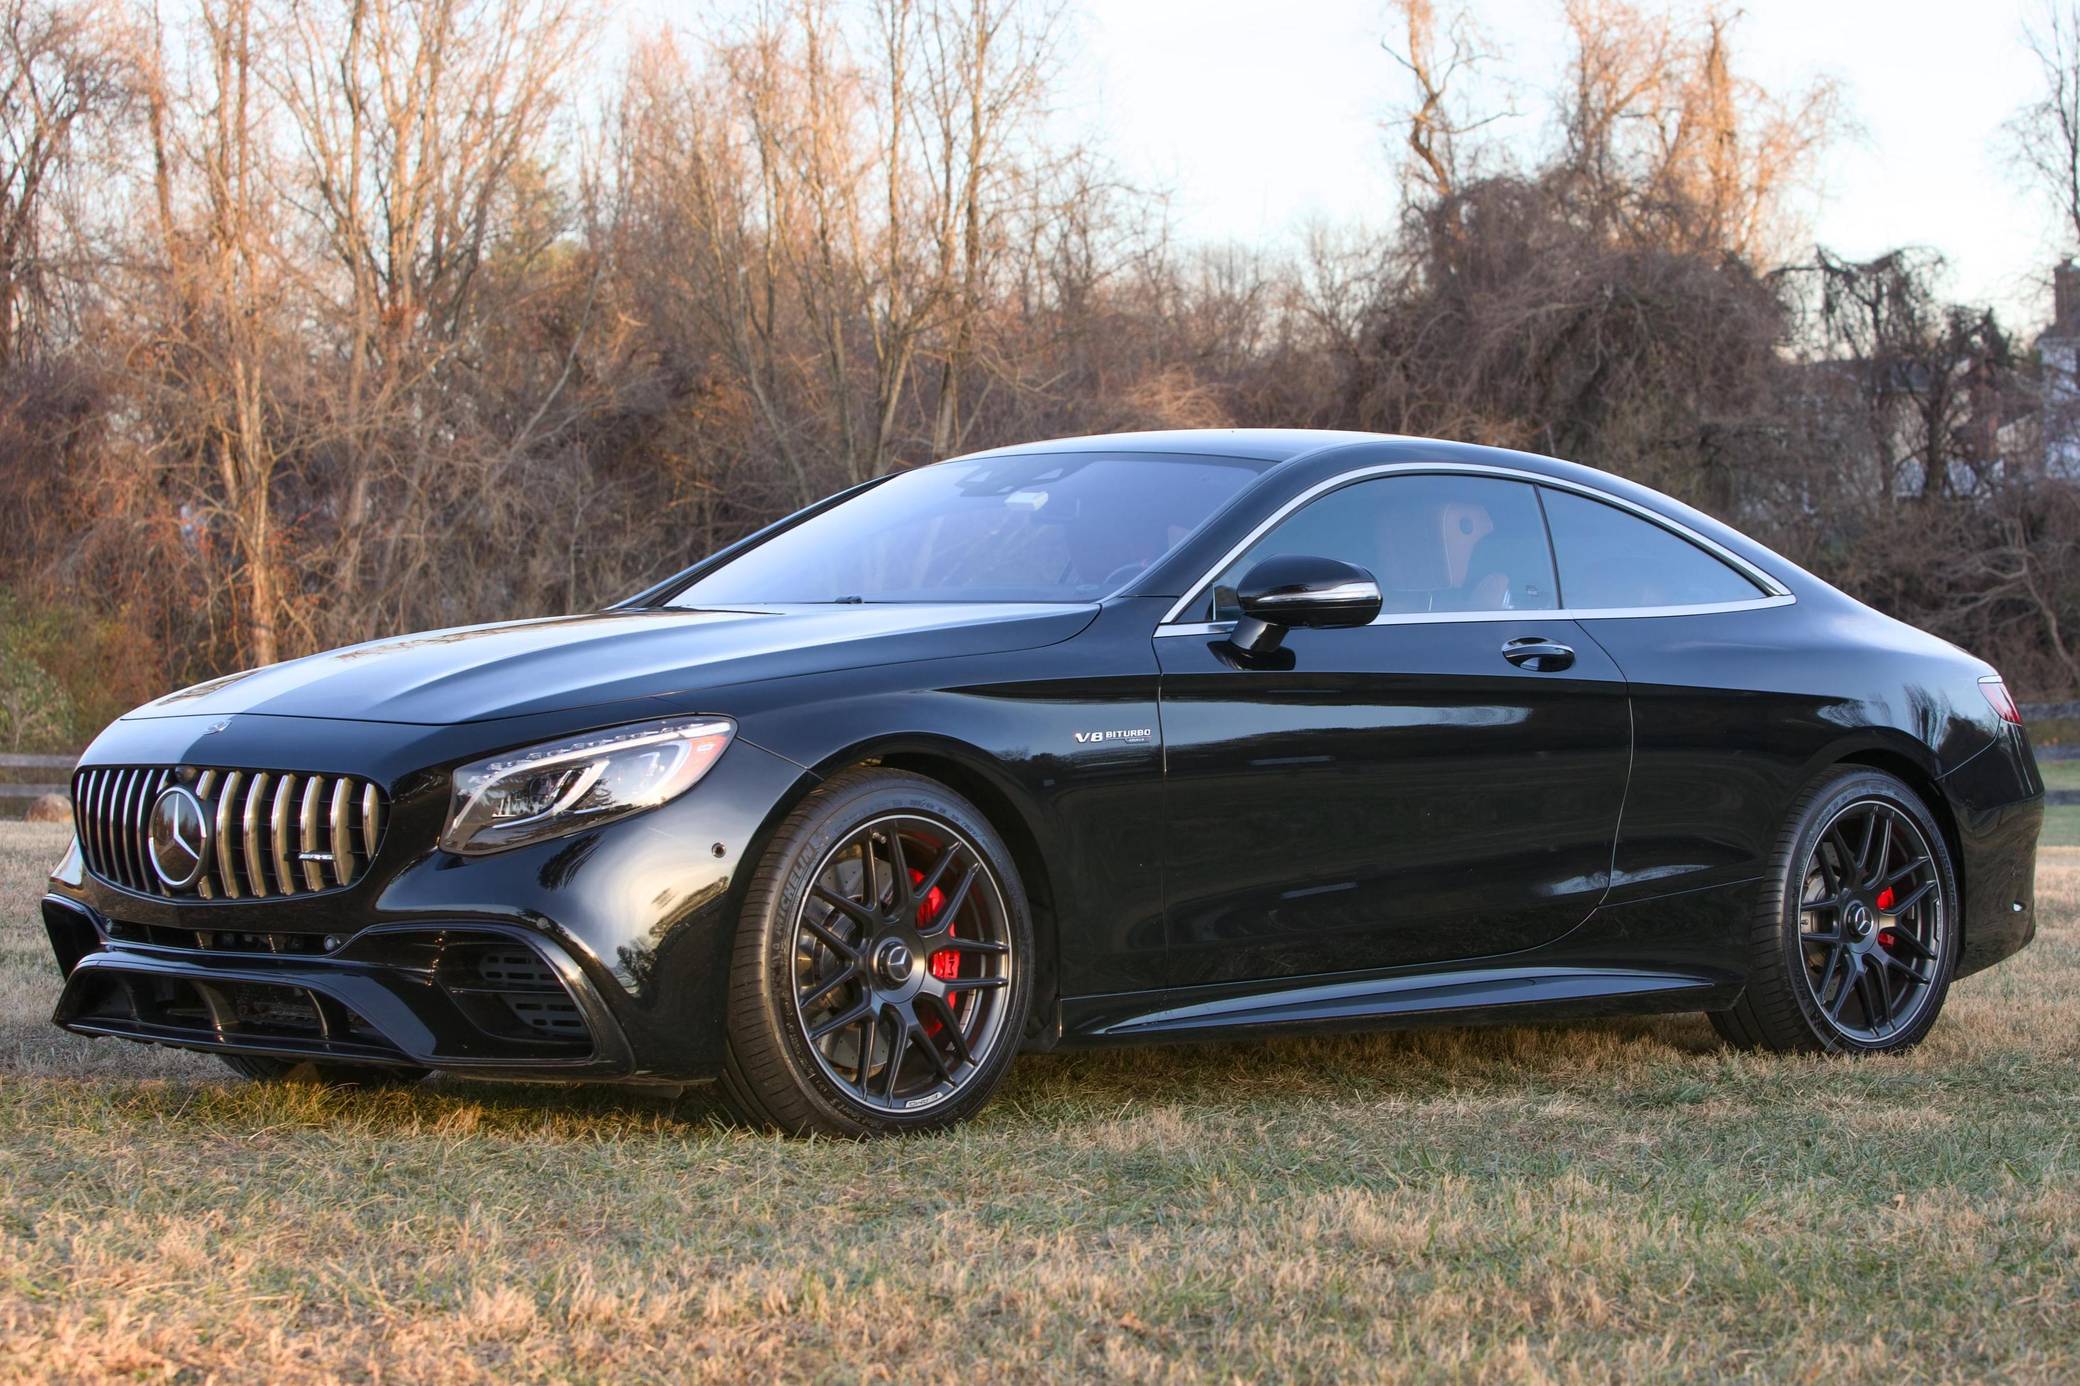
[
  {"x": 880, "y": 980},
  {"x": 1856, "y": 939},
  {"x": 265, "y": 1068}
]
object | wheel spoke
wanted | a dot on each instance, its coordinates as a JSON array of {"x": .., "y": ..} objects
[
  {"x": 950, "y": 1026},
  {"x": 1920, "y": 893},
  {"x": 869, "y": 874},
  {"x": 871, "y": 1022},
  {"x": 1870, "y": 835},
  {"x": 1877, "y": 872},
  {"x": 970, "y": 945},
  {"x": 1903, "y": 965},
  {"x": 947, "y": 912},
  {"x": 1900, "y": 873},
  {"x": 1830, "y": 879},
  {"x": 1878, "y": 984},
  {"x": 824, "y": 989},
  {"x": 899, "y": 869},
  {"x": 896, "y": 1055},
  {"x": 955, "y": 986},
  {"x": 1849, "y": 978},
  {"x": 839, "y": 1022},
  {"x": 931, "y": 1051},
  {"x": 1920, "y": 949},
  {"x": 852, "y": 908},
  {"x": 1827, "y": 973},
  {"x": 932, "y": 878}
]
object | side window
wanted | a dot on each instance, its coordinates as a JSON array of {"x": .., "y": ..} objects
[
  {"x": 1609, "y": 558},
  {"x": 1435, "y": 543}
]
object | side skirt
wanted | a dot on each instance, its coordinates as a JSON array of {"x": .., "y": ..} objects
[{"x": 1489, "y": 995}]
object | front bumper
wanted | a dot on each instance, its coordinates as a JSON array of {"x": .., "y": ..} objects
[
  {"x": 600, "y": 955},
  {"x": 490, "y": 1000}
]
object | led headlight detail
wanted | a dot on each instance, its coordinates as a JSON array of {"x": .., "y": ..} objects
[{"x": 562, "y": 786}]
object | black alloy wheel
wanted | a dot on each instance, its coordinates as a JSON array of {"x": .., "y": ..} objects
[
  {"x": 1856, "y": 939},
  {"x": 1872, "y": 921},
  {"x": 895, "y": 963},
  {"x": 879, "y": 982}
]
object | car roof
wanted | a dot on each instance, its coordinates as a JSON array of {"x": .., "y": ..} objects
[{"x": 1252, "y": 444}]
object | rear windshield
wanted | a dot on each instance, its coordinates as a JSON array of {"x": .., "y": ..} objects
[{"x": 1025, "y": 528}]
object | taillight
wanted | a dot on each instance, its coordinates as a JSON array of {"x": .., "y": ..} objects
[{"x": 2003, "y": 701}]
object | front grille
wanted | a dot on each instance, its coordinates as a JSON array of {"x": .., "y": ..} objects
[{"x": 270, "y": 834}]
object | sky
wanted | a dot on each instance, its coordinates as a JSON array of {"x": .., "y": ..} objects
[{"x": 1257, "y": 116}]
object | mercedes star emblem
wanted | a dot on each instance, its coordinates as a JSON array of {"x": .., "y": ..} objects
[{"x": 179, "y": 837}]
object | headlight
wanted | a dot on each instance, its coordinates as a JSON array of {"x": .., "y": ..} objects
[{"x": 562, "y": 786}]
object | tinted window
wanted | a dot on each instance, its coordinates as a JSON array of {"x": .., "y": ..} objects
[
  {"x": 1433, "y": 543},
  {"x": 1001, "y": 529},
  {"x": 1609, "y": 558}
]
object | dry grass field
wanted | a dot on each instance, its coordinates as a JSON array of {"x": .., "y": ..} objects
[{"x": 1599, "y": 1201}]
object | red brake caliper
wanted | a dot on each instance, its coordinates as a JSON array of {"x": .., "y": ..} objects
[
  {"x": 1887, "y": 899},
  {"x": 946, "y": 964}
]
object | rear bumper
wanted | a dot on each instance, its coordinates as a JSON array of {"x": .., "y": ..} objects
[
  {"x": 476, "y": 998},
  {"x": 1997, "y": 801}
]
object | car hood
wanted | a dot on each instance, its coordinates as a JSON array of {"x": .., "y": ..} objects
[{"x": 520, "y": 668}]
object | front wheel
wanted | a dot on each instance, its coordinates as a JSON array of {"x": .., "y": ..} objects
[
  {"x": 1856, "y": 938},
  {"x": 882, "y": 969}
]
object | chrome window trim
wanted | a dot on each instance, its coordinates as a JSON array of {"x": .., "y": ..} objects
[
  {"x": 1434, "y": 618},
  {"x": 1778, "y": 593}
]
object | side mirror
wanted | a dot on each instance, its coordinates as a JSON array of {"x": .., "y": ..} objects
[{"x": 1297, "y": 590}]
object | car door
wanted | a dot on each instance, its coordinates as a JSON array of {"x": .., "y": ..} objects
[
  {"x": 1730, "y": 703},
  {"x": 1414, "y": 791}
]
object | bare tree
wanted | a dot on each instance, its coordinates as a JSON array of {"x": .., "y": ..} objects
[
  {"x": 2044, "y": 135},
  {"x": 60, "y": 70},
  {"x": 1435, "y": 123},
  {"x": 421, "y": 123},
  {"x": 1663, "y": 135}
]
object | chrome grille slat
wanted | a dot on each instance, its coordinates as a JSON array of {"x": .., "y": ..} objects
[
  {"x": 156, "y": 786},
  {"x": 118, "y": 839},
  {"x": 256, "y": 871},
  {"x": 371, "y": 820},
  {"x": 204, "y": 788},
  {"x": 278, "y": 833},
  {"x": 133, "y": 840},
  {"x": 314, "y": 789},
  {"x": 227, "y": 807},
  {"x": 272, "y": 833},
  {"x": 92, "y": 812},
  {"x": 343, "y": 864}
]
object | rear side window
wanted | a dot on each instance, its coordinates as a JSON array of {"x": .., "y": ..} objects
[
  {"x": 1609, "y": 558},
  {"x": 1434, "y": 543}
]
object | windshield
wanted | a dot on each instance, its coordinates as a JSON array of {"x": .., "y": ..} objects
[{"x": 1024, "y": 528}]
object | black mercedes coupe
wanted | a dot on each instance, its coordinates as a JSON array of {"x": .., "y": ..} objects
[{"x": 1143, "y": 737}]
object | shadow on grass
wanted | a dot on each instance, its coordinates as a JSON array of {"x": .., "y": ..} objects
[
  {"x": 1268, "y": 1076},
  {"x": 1210, "y": 1074}
]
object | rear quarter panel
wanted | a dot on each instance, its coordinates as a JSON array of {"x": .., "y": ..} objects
[{"x": 1734, "y": 713}]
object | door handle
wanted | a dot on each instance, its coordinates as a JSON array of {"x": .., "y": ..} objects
[{"x": 1538, "y": 654}]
